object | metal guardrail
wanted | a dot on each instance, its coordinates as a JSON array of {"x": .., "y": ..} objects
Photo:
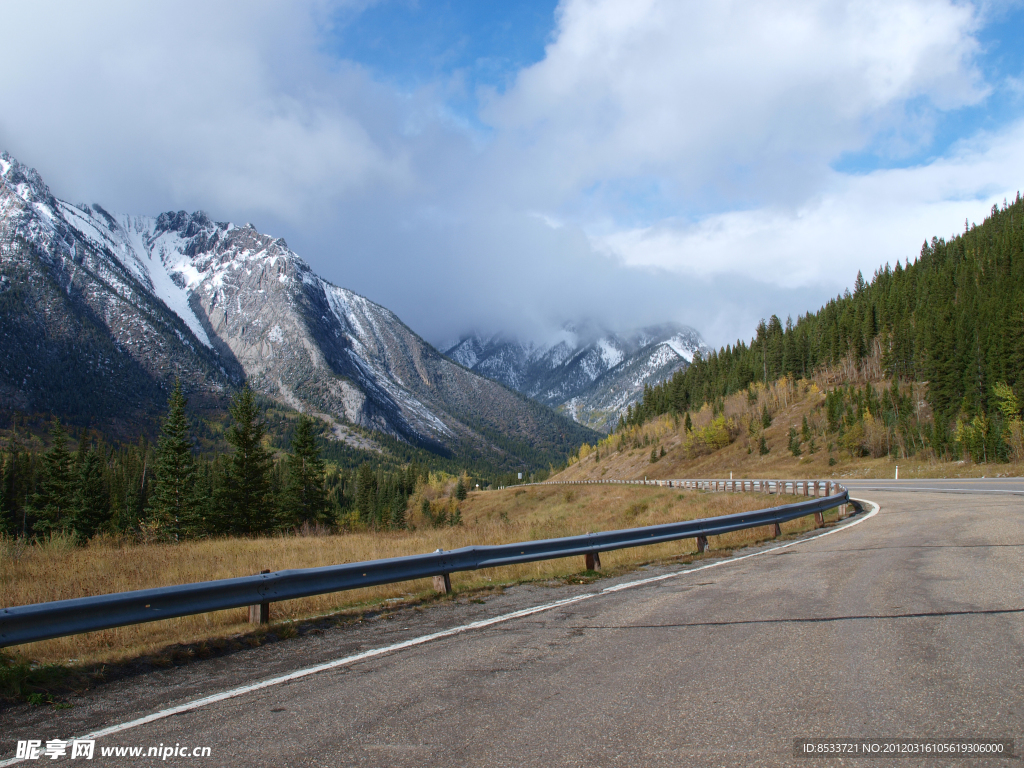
[{"x": 29, "y": 623}]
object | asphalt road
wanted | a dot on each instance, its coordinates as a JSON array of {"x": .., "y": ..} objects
[
  {"x": 908, "y": 624},
  {"x": 973, "y": 485}
]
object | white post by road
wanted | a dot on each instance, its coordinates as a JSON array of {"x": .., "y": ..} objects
[{"x": 897, "y": 471}]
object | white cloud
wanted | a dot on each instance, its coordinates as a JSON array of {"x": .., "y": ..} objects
[
  {"x": 857, "y": 222},
  {"x": 666, "y": 160},
  {"x": 225, "y": 105},
  {"x": 749, "y": 100}
]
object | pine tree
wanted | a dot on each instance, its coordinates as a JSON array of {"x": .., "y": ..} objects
[
  {"x": 397, "y": 521},
  {"x": 6, "y": 473},
  {"x": 173, "y": 499},
  {"x": 91, "y": 501},
  {"x": 53, "y": 501},
  {"x": 305, "y": 498},
  {"x": 366, "y": 493},
  {"x": 460, "y": 490},
  {"x": 245, "y": 503}
]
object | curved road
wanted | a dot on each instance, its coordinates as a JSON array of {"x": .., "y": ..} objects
[{"x": 909, "y": 623}]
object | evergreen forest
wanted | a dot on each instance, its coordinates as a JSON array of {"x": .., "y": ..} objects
[
  {"x": 952, "y": 321},
  {"x": 170, "y": 491}
]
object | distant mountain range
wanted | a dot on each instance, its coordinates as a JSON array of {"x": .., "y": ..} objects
[
  {"x": 101, "y": 313},
  {"x": 589, "y": 373}
]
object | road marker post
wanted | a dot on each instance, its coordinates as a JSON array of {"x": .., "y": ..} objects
[
  {"x": 260, "y": 613},
  {"x": 443, "y": 582}
]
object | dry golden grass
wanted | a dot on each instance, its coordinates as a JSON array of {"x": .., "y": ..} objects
[{"x": 33, "y": 574}]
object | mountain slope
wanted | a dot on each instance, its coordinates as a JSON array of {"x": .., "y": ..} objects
[{"x": 215, "y": 304}]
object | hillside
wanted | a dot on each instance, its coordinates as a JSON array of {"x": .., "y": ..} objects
[
  {"x": 950, "y": 326},
  {"x": 815, "y": 431}
]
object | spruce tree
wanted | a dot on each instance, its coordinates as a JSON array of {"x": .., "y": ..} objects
[
  {"x": 91, "y": 501},
  {"x": 172, "y": 502},
  {"x": 397, "y": 521},
  {"x": 794, "y": 441},
  {"x": 6, "y": 470},
  {"x": 245, "y": 503},
  {"x": 366, "y": 493},
  {"x": 304, "y": 498},
  {"x": 53, "y": 501}
]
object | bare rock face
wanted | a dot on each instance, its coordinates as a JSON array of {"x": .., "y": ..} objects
[
  {"x": 591, "y": 374},
  {"x": 101, "y": 314}
]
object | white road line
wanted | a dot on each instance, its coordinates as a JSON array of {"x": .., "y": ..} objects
[
  {"x": 347, "y": 660},
  {"x": 934, "y": 490}
]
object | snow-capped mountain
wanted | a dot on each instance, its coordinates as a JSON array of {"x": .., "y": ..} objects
[
  {"x": 213, "y": 304},
  {"x": 591, "y": 374}
]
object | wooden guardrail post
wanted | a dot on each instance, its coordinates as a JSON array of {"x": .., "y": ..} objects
[
  {"x": 592, "y": 561},
  {"x": 443, "y": 582},
  {"x": 702, "y": 543},
  {"x": 260, "y": 613}
]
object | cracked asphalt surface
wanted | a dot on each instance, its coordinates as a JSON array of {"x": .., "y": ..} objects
[{"x": 909, "y": 624}]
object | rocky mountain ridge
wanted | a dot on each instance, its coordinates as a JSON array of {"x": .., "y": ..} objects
[{"x": 214, "y": 304}]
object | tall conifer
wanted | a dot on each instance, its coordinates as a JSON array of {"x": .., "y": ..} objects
[
  {"x": 173, "y": 498},
  {"x": 91, "y": 501},
  {"x": 53, "y": 501},
  {"x": 304, "y": 493},
  {"x": 245, "y": 502}
]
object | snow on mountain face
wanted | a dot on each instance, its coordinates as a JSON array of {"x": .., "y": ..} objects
[
  {"x": 593, "y": 376},
  {"x": 211, "y": 303},
  {"x": 84, "y": 331},
  {"x": 131, "y": 240}
]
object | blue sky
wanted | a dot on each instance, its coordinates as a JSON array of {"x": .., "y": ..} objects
[
  {"x": 513, "y": 166},
  {"x": 414, "y": 44},
  {"x": 1001, "y": 60}
]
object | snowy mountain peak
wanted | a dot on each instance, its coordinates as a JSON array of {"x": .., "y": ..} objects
[
  {"x": 591, "y": 373},
  {"x": 131, "y": 303}
]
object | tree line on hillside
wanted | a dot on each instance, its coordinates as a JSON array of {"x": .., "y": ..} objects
[
  {"x": 953, "y": 319},
  {"x": 166, "y": 492}
]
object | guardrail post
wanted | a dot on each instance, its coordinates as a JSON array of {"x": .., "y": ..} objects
[
  {"x": 702, "y": 543},
  {"x": 776, "y": 530},
  {"x": 592, "y": 561},
  {"x": 260, "y": 613},
  {"x": 443, "y": 582}
]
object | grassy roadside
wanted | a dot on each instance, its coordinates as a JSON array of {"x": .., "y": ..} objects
[{"x": 57, "y": 571}]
